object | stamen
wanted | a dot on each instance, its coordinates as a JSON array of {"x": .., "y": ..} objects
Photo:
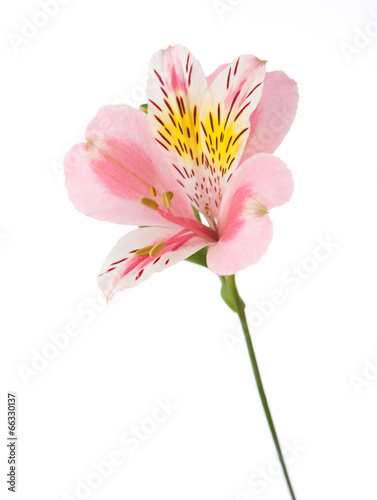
[
  {"x": 165, "y": 198},
  {"x": 142, "y": 252},
  {"x": 157, "y": 249},
  {"x": 153, "y": 191},
  {"x": 148, "y": 202},
  {"x": 170, "y": 194}
]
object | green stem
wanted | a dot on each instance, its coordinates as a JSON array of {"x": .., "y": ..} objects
[{"x": 240, "y": 310}]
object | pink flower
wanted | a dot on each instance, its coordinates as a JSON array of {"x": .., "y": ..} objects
[{"x": 205, "y": 143}]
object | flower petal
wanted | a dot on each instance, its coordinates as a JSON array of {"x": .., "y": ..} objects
[
  {"x": 123, "y": 269},
  {"x": 107, "y": 176},
  {"x": 232, "y": 96},
  {"x": 203, "y": 130},
  {"x": 245, "y": 229},
  {"x": 229, "y": 256},
  {"x": 175, "y": 88},
  {"x": 225, "y": 111},
  {"x": 273, "y": 116}
]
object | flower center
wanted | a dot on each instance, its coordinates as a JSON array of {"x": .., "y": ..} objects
[{"x": 191, "y": 226}]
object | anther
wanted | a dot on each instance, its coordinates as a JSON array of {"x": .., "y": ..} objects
[
  {"x": 165, "y": 198},
  {"x": 148, "y": 202},
  {"x": 157, "y": 249},
  {"x": 170, "y": 194},
  {"x": 153, "y": 191},
  {"x": 142, "y": 252}
]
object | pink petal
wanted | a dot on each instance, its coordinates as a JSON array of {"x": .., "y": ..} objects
[
  {"x": 122, "y": 269},
  {"x": 229, "y": 256},
  {"x": 175, "y": 88},
  {"x": 176, "y": 84},
  {"x": 225, "y": 111},
  {"x": 245, "y": 229},
  {"x": 273, "y": 116},
  {"x": 107, "y": 176}
]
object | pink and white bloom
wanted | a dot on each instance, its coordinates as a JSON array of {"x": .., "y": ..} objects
[{"x": 205, "y": 143}]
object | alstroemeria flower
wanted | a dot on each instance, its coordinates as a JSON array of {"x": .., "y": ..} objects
[{"x": 205, "y": 143}]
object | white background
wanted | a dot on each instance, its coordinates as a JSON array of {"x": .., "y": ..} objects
[{"x": 172, "y": 337}]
